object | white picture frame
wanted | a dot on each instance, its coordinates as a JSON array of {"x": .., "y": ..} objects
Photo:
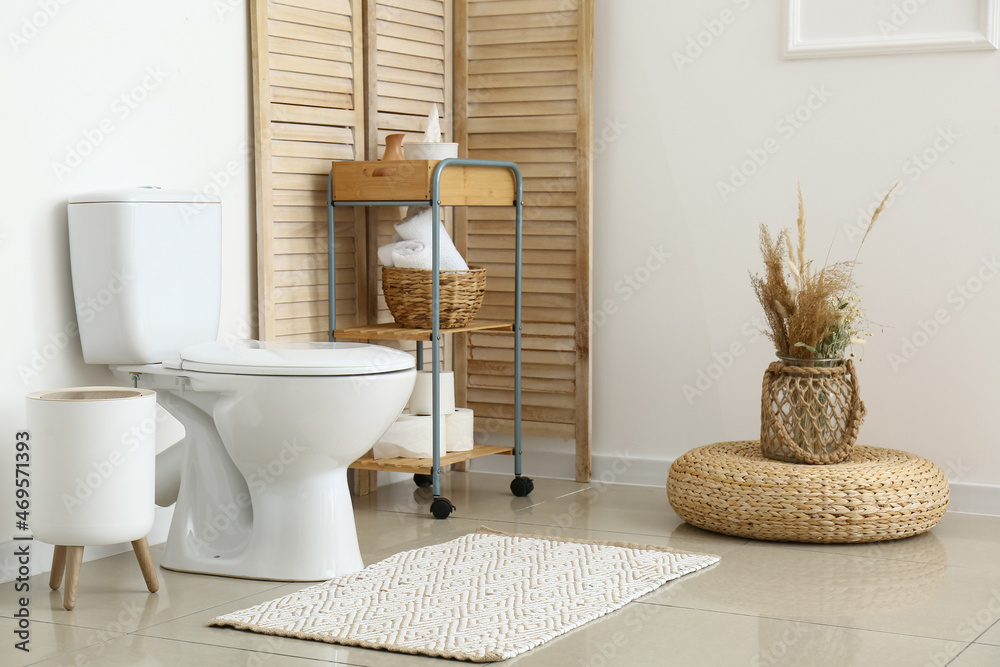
[{"x": 886, "y": 28}]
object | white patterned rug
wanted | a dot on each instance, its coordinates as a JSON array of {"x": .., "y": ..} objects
[{"x": 483, "y": 597}]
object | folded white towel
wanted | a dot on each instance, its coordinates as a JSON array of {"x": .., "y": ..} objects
[
  {"x": 416, "y": 226},
  {"x": 411, "y": 255},
  {"x": 385, "y": 254}
]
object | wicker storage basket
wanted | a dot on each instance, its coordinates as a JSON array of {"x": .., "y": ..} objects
[{"x": 408, "y": 296}]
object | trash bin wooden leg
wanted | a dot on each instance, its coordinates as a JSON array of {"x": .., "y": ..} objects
[
  {"x": 58, "y": 567},
  {"x": 74, "y": 559},
  {"x": 141, "y": 548}
]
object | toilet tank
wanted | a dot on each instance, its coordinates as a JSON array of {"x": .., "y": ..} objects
[{"x": 147, "y": 273}]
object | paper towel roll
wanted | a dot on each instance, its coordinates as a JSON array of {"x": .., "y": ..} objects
[
  {"x": 411, "y": 436},
  {"x": 421, "y": 400},
  {"x": 459, "y": 426}
]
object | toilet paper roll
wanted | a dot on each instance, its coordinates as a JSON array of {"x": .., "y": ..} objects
[
  {"x": 410, "y": 436},
  {"x": 421, "y": 400},
  {"x": 459, "y": 427}
]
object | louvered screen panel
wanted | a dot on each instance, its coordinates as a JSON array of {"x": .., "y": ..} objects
[
  {"x": 523, "y": 93},
  {"x": 412, "y": 53},
  {"x": 308, "y": 111}
]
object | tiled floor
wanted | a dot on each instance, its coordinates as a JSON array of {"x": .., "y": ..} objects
[{"x": 930, "y": 600}]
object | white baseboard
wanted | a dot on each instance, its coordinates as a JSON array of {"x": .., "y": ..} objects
[
  {"x": 620, "y": 468},
  {"x": 616, "y": 468},
  {"x": 974, "y": 498}
]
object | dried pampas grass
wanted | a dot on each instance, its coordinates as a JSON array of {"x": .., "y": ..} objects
[{"x": 814, "y": 316}]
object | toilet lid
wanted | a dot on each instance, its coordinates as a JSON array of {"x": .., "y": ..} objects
[{"x": 252, "y": 357}]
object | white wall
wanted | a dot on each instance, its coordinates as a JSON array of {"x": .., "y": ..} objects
[
  {"x": 681, "y": 130},
  {"x": 668, "y": 131},
  {"x": 120, "y": 94}
]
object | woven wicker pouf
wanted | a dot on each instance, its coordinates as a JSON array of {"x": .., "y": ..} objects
[{"x": 877, "y": 494}]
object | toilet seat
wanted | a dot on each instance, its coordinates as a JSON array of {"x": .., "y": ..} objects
[{"x": 251, "y": 357}]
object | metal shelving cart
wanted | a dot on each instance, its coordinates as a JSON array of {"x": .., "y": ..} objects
[{"x": 449, "y": 182}]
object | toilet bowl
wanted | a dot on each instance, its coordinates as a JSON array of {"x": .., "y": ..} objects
[{"x": 270, "y": 427}]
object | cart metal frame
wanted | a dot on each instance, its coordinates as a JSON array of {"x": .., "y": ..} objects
[{"x": 519, "y": 483}]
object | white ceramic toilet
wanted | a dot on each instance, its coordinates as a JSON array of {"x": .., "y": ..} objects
[{"x": 270, "y": 427}]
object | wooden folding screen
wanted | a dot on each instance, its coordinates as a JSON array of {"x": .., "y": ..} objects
[
  {"x": 408, "y": 43},
  {"x": 523, "y": 93},
  {"x": 333, "y": 77},
  {"x": 308, "y": 103}
]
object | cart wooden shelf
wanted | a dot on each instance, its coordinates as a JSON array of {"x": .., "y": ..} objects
[
  {"x": 393, "y": 331},
  {"x": 425, "y": 466},
  {"x": 450, "y": 182},
  {"x": 463, "y": 183}
]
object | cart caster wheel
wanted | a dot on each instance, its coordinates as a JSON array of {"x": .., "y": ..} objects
[
  {"x": 441, "y": 508},
  {"x": 423, "y": 481},
  {"x": 522, "y": 486}
]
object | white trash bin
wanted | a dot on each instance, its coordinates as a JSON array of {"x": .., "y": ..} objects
[{"x": 93, "y": 477}]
